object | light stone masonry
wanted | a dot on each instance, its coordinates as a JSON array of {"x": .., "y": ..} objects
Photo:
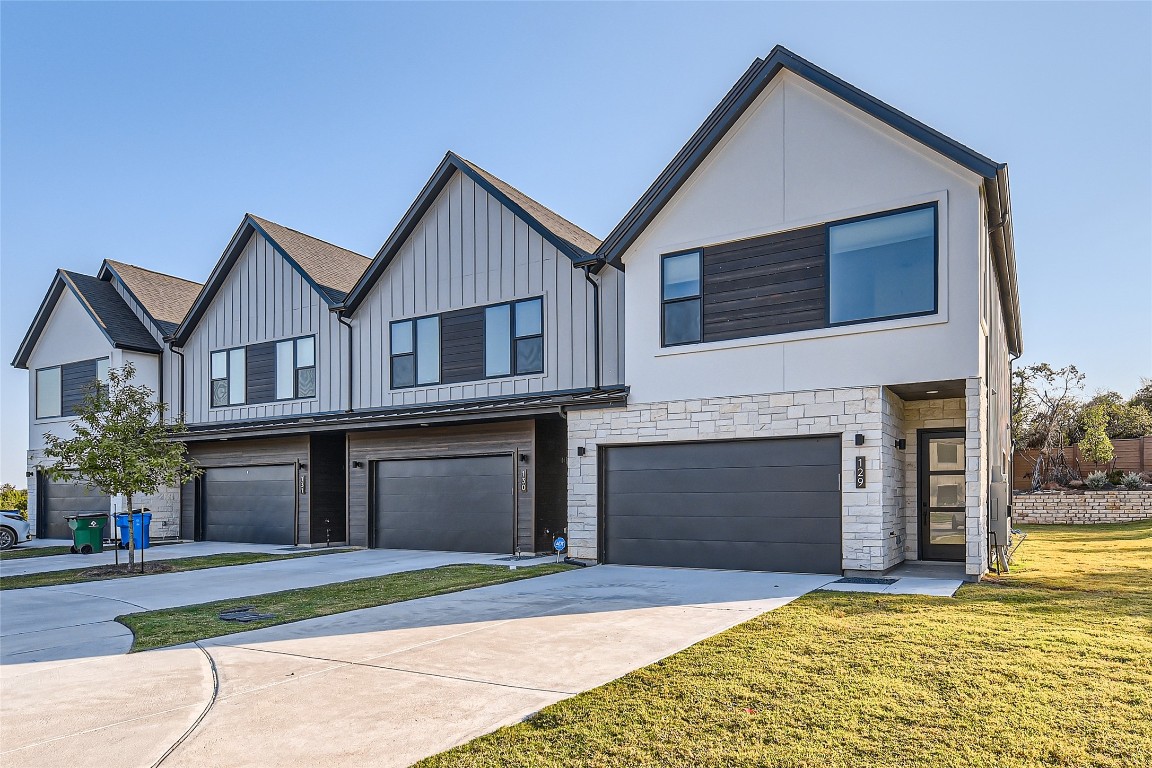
[{"x": 1088, "y": 508}]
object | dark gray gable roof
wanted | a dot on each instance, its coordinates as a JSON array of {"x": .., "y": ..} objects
[
  {"x": 745, "y": 92},
  {"x": 105, "y": 306},
  {"x": 569, "y": 239},
  {"x": 329, "y": 269},
  {"x": 165, "y": 299}
]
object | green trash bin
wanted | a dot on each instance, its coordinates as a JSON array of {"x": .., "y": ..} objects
[{"x": 87, "y": 532}]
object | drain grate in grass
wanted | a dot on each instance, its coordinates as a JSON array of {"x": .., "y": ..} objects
[{"x": 173, "y": 626}]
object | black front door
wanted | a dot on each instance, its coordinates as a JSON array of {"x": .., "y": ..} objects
[{"x": 941, "y": 488}]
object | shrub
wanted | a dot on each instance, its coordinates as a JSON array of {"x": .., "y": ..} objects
[
  {"x": 1097, "y": 480},
  {"x": 1116, "y": 476},
  {"x": 1095, "y": 446},
  {"x": 1132, "y": 481}
]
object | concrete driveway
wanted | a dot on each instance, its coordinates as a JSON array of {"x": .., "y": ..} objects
[
  {"x": 77, "y": 621},
  {"x": 383, "y": 686}
]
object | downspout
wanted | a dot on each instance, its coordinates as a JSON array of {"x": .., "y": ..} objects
[
  {"x": 180, "y": 353},
  {"x": 347, "y": 324},
  {"x": 595, "y": 321}
]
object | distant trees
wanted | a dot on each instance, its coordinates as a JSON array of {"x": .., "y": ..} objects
[{"x": 12, "y": 497}]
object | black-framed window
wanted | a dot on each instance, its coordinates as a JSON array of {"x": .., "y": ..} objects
[
  {"x": 227, "y": 377},
  {"x": 514, "y": 338},
  {"x": 682, "y": 306},
  {"x": 60, "y": 388},
  {"x": 883, "y": 266},
  {"x": 296, "y": 368},
  {"x": 415, "y": 352}
]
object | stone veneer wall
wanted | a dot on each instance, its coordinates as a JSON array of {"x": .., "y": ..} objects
[
  {"x": 1085, "y": 508},
  {"x": 164, "y": 506},
  {"x": 872, "y": 536}
]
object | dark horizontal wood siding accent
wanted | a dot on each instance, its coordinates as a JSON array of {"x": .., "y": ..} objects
[
  {"x": 260, "y": 377},
  {"x": 243, "y": 453},
  {"x": 765, "y": 285},
  {"x": 462, "y": 345},
  {"x": 435, "y": 442},
  {"x": 75, "y": 384}
]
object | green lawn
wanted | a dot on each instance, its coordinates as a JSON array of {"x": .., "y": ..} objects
[
  {"x": 1049, "y": 666},
  {"x": 101, "y": 573},
  {"x": 19, "y": 553},
  {"x": 173, "y": 626}
]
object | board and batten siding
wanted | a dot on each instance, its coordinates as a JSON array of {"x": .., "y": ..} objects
[
  {"x": 170, "y": 363},
  {"x": 469, "y": 251},
  {"x": 263, "y": 299}
]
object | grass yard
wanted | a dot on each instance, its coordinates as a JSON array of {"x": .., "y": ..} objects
[
  {"x": 174, "y": 565},
  {"x": 19, "y": 553},
  {"x": 172, "y": 626},
  {"x": 1048, "y": 666}
]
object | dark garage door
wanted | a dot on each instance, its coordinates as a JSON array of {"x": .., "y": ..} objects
[
  {"x": 253, "y": 505},
  {"x": 67, "y": 498},
  {"x": 461, "y": 504},
  {"x": 762, "y": 505}
]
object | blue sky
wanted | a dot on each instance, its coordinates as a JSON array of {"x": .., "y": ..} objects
[{"x": 143, "y": 131}]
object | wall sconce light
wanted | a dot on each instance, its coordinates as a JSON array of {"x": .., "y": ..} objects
[
  {"x": 523, "y": 458},
  {"x": 581, "y": 450},
  {"x": 357, "y": 465},
  {"x": 901, "y": 443},
  {"x": 29, "y": 474},
  {"x": 859, "y": 439}
]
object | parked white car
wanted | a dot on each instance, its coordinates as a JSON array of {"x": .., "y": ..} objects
[{"x": 13, "y": 529}]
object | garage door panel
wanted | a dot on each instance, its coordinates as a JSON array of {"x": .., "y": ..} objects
[
  {"x": 252, "y": 505},
  {"x": 461, "y": 504},
  {"x": 787, "y": 530},
  {"x": 817, "y": 451},
  {"x": 771, "y": 504},
  {"x": 722, "y": 479},
  {"x": 742, "y": 556},
  {"x": 66, "y": 497}
]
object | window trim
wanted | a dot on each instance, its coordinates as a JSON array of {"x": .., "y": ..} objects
[
  {"x": 513, "y": 338},
  {"x": 935, "y": 206},
  {"x": 296, "y": 368},
  {"x": 228, "y": 376},
  {"x": 681, "y": 299},
  {"x": 415, "y": 353}
]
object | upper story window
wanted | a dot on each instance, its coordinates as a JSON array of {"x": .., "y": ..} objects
[
  {"x": 682, "y": 306},
  {"x": 228, "y": 377},
  {"x": 882, "y": 266},
  {"x": 60, "y": 388},
  {"x": 514, "y": 338},
  {"x": 296, "y": 368},
  {"x": 415, "y": 352}
]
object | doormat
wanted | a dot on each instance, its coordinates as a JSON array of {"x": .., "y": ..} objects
[
  {"x": 244, "y": 614},
  {"x": 864, "y": 580}
]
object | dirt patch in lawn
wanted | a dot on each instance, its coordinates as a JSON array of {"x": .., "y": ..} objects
[{"x": 124, "y": 570}]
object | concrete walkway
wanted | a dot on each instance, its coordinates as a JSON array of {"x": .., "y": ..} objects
[
  {"x": 25, "y": 565},
  {"x": 76, "y": 621},
  {"x": 383, "y": 686}
]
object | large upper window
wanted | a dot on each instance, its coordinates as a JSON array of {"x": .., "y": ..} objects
[
  {"x": 296, "y": 368},
  {"x": 682, "y": 306},
  {"x": 227, "y": 377},
  {"x": 514, "y": 338},
  {"x": 883, "y": 266},
  {"x": 62, "y": 387},
  {"x": 416, "y": 352}
]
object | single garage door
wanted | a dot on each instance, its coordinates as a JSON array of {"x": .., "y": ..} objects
[
  {"x": 762, "y": 505},
  {"x": 459, "y": 504},
  {"x": 66, "y": 498},
  {"x": 253, "y": 505}
]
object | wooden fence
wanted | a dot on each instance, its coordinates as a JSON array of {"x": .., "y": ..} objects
[{"x": 1132, "y": 455}]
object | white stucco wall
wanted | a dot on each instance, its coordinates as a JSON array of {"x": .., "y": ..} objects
[{"x": 799, "y": 157}]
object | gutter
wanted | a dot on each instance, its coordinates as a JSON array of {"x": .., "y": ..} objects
[
  {"x": 179, "y": 352},
  {"x": 1000, "y": 235},
  {"x": 347, "y": 324}
]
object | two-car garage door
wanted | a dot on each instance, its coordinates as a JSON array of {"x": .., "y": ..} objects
[{"x": 769, "y": 505}]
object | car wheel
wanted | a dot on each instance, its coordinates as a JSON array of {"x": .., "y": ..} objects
[{"x": 8, "y": 538}]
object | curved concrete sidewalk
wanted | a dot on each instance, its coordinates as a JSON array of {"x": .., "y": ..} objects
[{"x": 391, "y": 684}]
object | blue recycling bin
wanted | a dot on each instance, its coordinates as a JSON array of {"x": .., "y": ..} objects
[{"x": 140, "y": 522}]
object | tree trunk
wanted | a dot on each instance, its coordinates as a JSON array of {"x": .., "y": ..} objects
[{"x": 131, "y": 531}]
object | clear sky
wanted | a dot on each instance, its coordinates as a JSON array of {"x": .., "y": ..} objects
[{"x": 143, "y": 131}]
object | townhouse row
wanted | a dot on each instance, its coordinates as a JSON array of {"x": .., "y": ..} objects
[{"x": 793, "y": 353}]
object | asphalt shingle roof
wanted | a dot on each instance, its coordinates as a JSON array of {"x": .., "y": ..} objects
[
  {"x": 111, "y": 312},
  {"x": 165, "y": 297},
  {"x": 334, "y": 269}
]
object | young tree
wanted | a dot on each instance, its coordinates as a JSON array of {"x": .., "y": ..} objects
[
  {"x": 1044, "y": 407},
  {"x": 122, "y": 444},
  {"x": 1096, "y": 447}
]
